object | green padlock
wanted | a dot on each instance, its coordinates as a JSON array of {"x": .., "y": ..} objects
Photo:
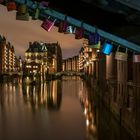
[
  {"x": 24, "y": 16},
  {"x": 22, "y": 8},
  {"x": 36, "y": 14}
]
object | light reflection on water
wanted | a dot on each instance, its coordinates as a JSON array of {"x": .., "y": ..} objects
[{"x": 63, "y": 110}]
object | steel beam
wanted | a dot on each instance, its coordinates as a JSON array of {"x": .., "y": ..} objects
[{"x": 88, "y": 28}]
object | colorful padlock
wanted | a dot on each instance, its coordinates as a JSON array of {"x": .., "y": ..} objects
[
  {"x": 22, "y": 9},
  {"x": 44, "y": 3},
  {"x": 36, "y": 14},
  {"x": 136, "y": 58},
  {"x": 11, "y": 5},
  {"x": 94, "y": 38},
  {"x": 20, "y": 16},
  {"x": 95, "y": 46},
  {"x": 70, "y": 29},
  {"x": 62, "y": 27},
  {"x": 79, "y": 32},
  {"x": 107, "y": 48},
  {"x": 48, "y": 24},
  {"x": 1, "y": 1},
  {"x": 121, "y": 55}
]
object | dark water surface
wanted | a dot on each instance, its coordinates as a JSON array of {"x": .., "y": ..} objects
[{"x": 56, "y": 110}]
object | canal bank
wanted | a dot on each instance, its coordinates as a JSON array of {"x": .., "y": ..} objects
[{"x": 104, "y": 93}]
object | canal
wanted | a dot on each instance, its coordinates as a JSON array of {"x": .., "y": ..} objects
[{"x": 64, "y": 109}]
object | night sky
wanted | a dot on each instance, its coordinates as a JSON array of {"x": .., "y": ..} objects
[{"x": 20, "y": 33}]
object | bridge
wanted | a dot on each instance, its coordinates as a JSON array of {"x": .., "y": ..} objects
[
  {"x": 46, "y": 12},
  {"x": 70, "y": 73}
]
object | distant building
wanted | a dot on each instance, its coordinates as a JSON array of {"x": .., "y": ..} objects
[
  {"x": 41, "y": 58},
  {"x": 7, "y": 57},
  {"x": 71, "y": 64},
  {"x": 19, "y": 65}
]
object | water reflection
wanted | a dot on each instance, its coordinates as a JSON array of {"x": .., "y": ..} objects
[
  {"x": 38, "y": 112},
  {"x": 89, "y": 110},
  {"x": 100, "y": 122},
  {"x": 45, "y": 94}
]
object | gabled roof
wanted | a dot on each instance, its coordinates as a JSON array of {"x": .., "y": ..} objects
[{"x": 37, "y": 47}]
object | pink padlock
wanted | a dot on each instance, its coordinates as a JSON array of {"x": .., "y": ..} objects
[
  {"x": 1, "y": 1},
  {"x": 44, "y": 3},
  {"x": 48, "y": 24},
  {"x": 136, "y": 58}
]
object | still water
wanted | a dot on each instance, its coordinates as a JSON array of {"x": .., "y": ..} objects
[{"x": 62, "y": 109}]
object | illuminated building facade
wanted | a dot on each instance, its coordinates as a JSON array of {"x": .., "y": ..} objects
[
  {"x": 42, "y": 58},
  {"x": 7, "y": 57},
  {"x": 71, "y": 64}
]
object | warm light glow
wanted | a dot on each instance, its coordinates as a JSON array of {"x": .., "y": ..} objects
[{"x": 87, "y": 122}]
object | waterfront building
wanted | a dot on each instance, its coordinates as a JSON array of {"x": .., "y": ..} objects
[
  {"x": 71, "y": 64},
  {"x": 42, "y": 58},
  {"x": 7, "y": 57}
]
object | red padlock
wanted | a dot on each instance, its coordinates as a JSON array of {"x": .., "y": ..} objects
[
  {"x": 62, "y": 27},
  {"x": 79, "y": 33},
  {"x": 1, "y": 1},
  {"x": 11, "y": 5}
]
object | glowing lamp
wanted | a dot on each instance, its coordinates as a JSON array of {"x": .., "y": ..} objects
[
  {"x": 107, "y": 48},
  {"x": 79, "y": 32},
  {"x": 11, "y": 5},
  {"x": 48, "y": 24}
]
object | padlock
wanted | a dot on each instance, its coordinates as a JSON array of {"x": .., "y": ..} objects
[
  {"x": 36, "y": 14},
  {"x": 62, "y": 27},
  {"x": 48, "y": 24},
  {"x": 70, "y": 30},
  {"x": 24, "y": 16},
  {"x": 136, "y": 58},
  {"x": 79, "y": 33},
  {"x": 11, "y": 5},
  {"x": 95, "y": 46},
  {"x": 94, "y": 38},
  {"x": 1, "y": 1},
  {"x": 107, "y": 48},
  {"x": 44, "y": 3},
  {"x": 121, "y": 55},
  {"x": 22, "y": 9}
]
